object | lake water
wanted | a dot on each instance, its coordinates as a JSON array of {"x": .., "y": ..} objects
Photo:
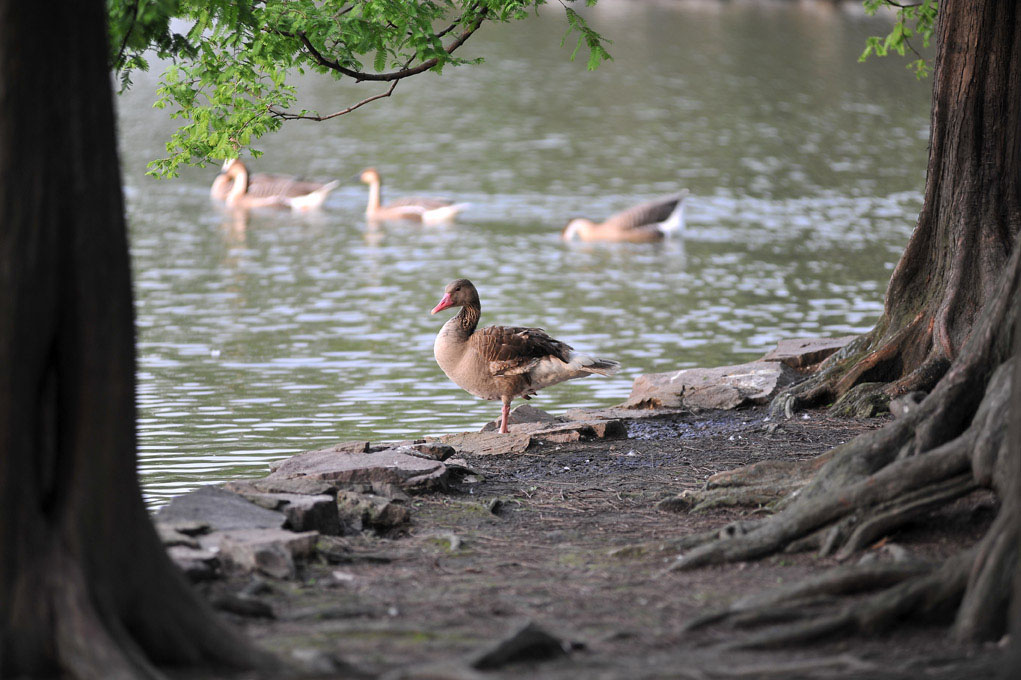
[{"x": 258, "y": 340}]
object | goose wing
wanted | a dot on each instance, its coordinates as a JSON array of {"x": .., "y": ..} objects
[
  {"x": 421, "y": 203},
  {"x": 513, "y": 350},
  {"x": 644, "y": 214},
  {"x": 264, "y": 185}
]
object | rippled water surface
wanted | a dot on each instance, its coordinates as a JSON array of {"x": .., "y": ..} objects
[{"x": 283, "y": 333}]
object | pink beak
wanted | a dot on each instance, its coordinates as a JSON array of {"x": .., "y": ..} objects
[{"x": 443, "y": 304}]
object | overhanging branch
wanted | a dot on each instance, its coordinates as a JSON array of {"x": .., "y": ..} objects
[{"x": 360, "y": 76}]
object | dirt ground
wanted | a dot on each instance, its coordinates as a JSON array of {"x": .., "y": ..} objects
[{"x": 534, "y": 541}]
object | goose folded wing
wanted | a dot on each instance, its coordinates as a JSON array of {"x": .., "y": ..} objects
[
  {"x": 267, "y": 186},
  {"x": 511, "y": 350},
  {"x": 644, "y": 214},
  {"x": 420, "y": 203}
]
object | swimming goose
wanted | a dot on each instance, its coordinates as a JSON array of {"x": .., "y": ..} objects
[
  {"x": 237, "y": 188},
  {"x": 643, "y": 223},
  {"x": 503, "y": 362},
  {"x": 417, "y": 208}
]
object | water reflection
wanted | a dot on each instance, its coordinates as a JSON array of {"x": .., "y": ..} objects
[{"x": 271, "y": 332}]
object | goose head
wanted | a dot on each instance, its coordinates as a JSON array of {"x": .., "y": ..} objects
[
  {"x": 459, "y": 293},
  {"x": 576, "y": 228},
  {"x": 369, "y": 176}
]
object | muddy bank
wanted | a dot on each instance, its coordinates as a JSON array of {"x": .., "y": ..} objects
[{"x": 548, "y": 535}]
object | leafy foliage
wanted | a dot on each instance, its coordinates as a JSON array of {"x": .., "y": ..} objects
[
  {"x": 230, "y": 77},
  {"x": 912, "y": 20}
]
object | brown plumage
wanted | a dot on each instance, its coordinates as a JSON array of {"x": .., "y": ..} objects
[
  {"x": 503, "y": 362},
  {"x": 645, "y": 222}
]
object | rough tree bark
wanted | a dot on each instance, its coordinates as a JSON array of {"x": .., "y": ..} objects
[
  {"x": 951, "y": 325},
  {"x": 967, "y": 227},
  {"x": 86, "y": 589}
]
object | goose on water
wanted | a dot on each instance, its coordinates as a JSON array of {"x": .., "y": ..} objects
[
  {"x": 416, "y": 208},
  {"x": 239, "y": 189},
  {"x": 503, "y": 362},
  {"x": 643, "y": 223}
]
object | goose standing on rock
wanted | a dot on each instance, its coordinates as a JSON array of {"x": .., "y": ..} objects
[
  {"x": 503, "y": 362},
  {"x": 416, "y": 208},
  {"x": 238, "y": 189},
  {"x": 643, "y": 223}
]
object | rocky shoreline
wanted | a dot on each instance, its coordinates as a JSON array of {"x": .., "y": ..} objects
[
  {"x": 274, "y": 524},
  {"x": 544, "y": 552}
]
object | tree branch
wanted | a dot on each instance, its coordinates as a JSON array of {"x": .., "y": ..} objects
[
  {"x": 360, "y": 76},
  {"x": 286, "y": 115}
]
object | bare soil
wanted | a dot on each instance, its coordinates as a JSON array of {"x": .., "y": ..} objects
[{"x": 538, "y": 539}]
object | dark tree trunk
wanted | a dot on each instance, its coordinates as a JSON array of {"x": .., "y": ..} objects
[
  {"x": 968, "y": 225},
  {"x": 86, "y": 589},
  {"x": 952, "y": 308}
]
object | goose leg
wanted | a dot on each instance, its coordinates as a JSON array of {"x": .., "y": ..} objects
[{"x": 504, "y": 415}]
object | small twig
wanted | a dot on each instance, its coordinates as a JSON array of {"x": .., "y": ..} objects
[{"x": 286, "y": 115}]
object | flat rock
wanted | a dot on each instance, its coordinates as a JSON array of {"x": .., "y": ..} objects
[
  {"x": 343, "y": 447},
  {"x": 724, "y": 387},
  {"x": 426, "y": 449},
  {"x": 488, "y": 443},
  {"x": 268, "y": 551},
  {"x": 198, "y": 564},
  {"x": 220, "y": 509},
  {"x": 519, "y": 415},
  {"x": 389, "y": 466},
  {"x": 524, "y": 434},
  {"x": 297, "y": 485},
  {"x": 359, "y": 511},
  {"x": 804, "y": 353},
  {"x": 303, "y": 512}
]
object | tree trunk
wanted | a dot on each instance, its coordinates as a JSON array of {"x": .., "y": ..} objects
[
  {"x": 969, "y": 223},
  {"x": 952, "y": 325},
  {"x": 86, "y": 589}
]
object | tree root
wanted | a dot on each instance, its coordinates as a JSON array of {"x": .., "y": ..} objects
[
  {"x": 930, "y": 594},
  {"x": 762, "y": 608},
  {"x": 802, "y": 518},
  {"x": 761, "y": 484}
]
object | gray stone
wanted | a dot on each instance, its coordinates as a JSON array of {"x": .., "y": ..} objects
[
  {"x": 430, "y": 450},
  {"x": 489, "y": 442},
  {"x": 197, "y": 564},
  {"x": 304, "y": 513},
  {"x": 724, "y": 387},
  {"x": 530, "y": 643},
  {"x": 387, "y": 466},
  {"x": 221, "y": 510},
  {"x": 804, "y": 353},
  {"x": 299, "y": 485},
  {"x": 525, "y": 413},
  {"x": 360, "y": 511},
  {"x": 342, "y": 447},
  {"x": 171, "y": 537},
  {"x": 268, "y": 551}
]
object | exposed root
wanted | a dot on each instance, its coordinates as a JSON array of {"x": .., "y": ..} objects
[
  {"x": 886, "y": 517},
  {"x": 761, "y": 484},
  {"x": 931, "y": 594},
  {"x": 763, "y": 608},
  {"x": 804, "y": 517}
]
